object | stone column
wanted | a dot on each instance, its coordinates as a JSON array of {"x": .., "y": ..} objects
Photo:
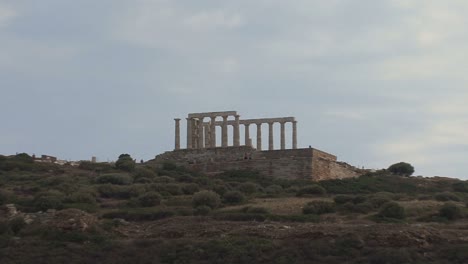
[
  {"x": 294, "y": 134},
  {"x": 247, "y": 134},
  {"x": 224, "y": 139},
  {"x": 206, "y": 131},
  {"x": 259, "y": 136},
  {"x": 177, "y": 133},
  {"x": 270, "y": 136},
  {"x": 283, "y": 138},
  {"x": 189, "y": 133},
  {"x": 213, "y": 132},
  {"x": 200, "y": 133},
  {"x": 236, "y": 132}
]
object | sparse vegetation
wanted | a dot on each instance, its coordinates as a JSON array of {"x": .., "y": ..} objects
[{"x": 171, "y": 215}]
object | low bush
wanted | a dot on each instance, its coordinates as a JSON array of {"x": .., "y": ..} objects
[
  {"x": 48, "y": 200},
  {"x": 450, "y": 211},
  {"x": 220, "y": 189},
  {"x": 447, "y": 196},
  {"x": 144, "y": 173},
  {"x": 273, "y": 189},
  {"x": 202, "y": 210},
  {"x": 190, "y": 188},
  {"x": 16, "y": 224},
  {"x": 164, "y": 179},
  {"x": 318, "y": 207},
  {"x": 392, "y": 210},
  {"x": 233, "y": 197},
  {"x": 343, "y": 198},
  {"x": 378, "y": 201},
  {"x": 149, "y": 199},
  {"x": 311, "y": 190},
  {"x": 207, "y": 198},
  {"x": 248, "y": 187},
  {"x": 81, "y": 197},
  {"x": 118, "y": 179}
]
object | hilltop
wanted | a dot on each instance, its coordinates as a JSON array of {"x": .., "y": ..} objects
[{"x": 142, "y": 213}]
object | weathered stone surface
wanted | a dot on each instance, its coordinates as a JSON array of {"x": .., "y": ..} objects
[{"x": 305, "y": 163}]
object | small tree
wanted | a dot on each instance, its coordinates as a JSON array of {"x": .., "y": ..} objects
[
  {"x": 125, "y": 162},
  {"x": 401, "y": 168},
  {"x": 450, "y": 211}
]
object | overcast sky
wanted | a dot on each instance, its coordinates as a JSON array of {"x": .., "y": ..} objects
[{"x": 373, "y": 82}]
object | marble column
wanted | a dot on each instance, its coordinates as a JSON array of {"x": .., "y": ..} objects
[
  {"x": 294, "y": 134},
  {"x": 177, "y": 133},
  {"x": 224, "y": 128},
  {"x": 283, "y": 137},
  {"x": 213, "y": 132},
  {"x": 270, "y": 136},
  {"x": 259, "y": 136},
  {"x": 200, "y": 133},
  {"x": 189, "y": 133},
  {"x": 207, "y": 132},
  {"x": 236, "y": 132},
  {"x": 247, "y": 134}
]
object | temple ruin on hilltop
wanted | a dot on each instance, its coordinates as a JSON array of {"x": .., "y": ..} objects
[{"x": 203, "y": 154}]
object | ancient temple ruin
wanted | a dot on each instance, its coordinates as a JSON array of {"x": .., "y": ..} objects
[
  {"x": 203, "y": 154},
  {"x": 201, "y": 134}
]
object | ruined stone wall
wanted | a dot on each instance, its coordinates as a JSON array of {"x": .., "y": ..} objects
[{"x": 289, "y": 164}]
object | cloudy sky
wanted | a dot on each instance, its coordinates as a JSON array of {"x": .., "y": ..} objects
[{"x": 373, "y": 82}]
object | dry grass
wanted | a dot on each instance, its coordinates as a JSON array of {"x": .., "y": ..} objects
[{"x": 280, "y": 206}]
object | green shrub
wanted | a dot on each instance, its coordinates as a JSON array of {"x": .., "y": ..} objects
[
  {"x": 359, "y": 199},
  {"x": 149, "y": 199},
  {"x": 3, "y": 197},
  {"x": 318, "y": 207},
  {"x": 169, "y": 166},
  {"x": 401, "y": 168},
  {"x": 96, "y": 166},
  {"x": 172, "y": 188},
  {"x": 16, "y": 224},
  {"x": 208, "y": 198},
  {"x": 190, "y": 188},
  {"x": 220, "y": 189},
  {"x": 311, "y": 190},
  {"x": 450, "y": 211},
  {"x": 144, "y": 173},
  {"x": 248, "y": 187},
  {"x": 274, "y": 189},
  {"x": 119, "y": 191},
  {"x": 81, "y": 197},
  {"x": 164, "y": 179},
  {"x": 118, "y": 179},
  {"x": 461, "y": 186},
  {"x": 202, "y": 210},
  {"x": 49, "y": 200},
  {"x": 233, "y": 197},
  {"x": 392, "y": 210},
  {"x": 447, "y": 196},
  {"x": 343, "y": 198},
  {"x": 378, "y": 201},
  {"x": 4, "y": 227}
]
